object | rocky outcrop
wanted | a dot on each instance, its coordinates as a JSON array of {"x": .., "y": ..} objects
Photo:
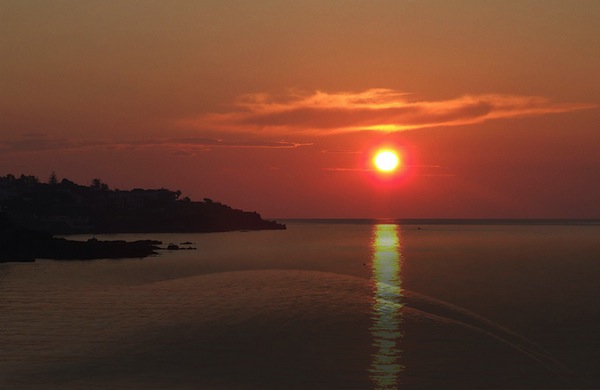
[{"x": 22, "y": 245}]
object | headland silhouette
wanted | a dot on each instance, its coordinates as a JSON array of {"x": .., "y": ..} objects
[{"x": 31, "y": 212}]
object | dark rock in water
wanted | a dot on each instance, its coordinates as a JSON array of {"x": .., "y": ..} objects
[
  {"x": 24, "y": 245},
  {"x": 63, "y": 249},
  {"x": 175, "y": 247}
]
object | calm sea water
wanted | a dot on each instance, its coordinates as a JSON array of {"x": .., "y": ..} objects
[{"x": 320, "y": 305}]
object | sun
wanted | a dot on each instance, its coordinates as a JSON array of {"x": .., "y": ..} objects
[{"x": 386, "y": 160}]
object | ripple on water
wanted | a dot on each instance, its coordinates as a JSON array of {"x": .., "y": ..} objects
[{"x": 255, "y": 329}]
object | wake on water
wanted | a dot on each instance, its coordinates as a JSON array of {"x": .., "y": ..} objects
[{"x": 285, "y": 329}]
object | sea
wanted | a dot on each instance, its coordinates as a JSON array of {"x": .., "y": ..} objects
[{"x": 324, "y": 304}]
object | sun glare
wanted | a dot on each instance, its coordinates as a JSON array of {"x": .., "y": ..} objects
[{"x": 386, "y": 160}]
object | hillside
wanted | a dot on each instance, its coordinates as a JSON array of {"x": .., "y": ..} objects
[{"x": 68, "y": 208}]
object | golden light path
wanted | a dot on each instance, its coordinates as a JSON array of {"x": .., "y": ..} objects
[{"x": 386, "y": 331}]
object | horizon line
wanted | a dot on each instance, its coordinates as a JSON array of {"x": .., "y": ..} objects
[{"x": 454, "y": 221}]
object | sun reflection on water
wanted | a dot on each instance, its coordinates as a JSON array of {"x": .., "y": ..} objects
[{"x": 386, "y": 331}]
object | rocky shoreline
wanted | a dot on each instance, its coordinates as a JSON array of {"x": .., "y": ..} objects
[
  {"x": 22, "y": 245},
  {"x": 33, "y": 213}
]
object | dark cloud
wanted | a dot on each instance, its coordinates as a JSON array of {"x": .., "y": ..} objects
[{"x": 35, "y": 142}]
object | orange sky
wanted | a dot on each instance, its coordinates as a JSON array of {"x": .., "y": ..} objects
[{"x": 277, "y": 106}]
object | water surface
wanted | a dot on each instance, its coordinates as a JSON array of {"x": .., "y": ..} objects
[{"x": 320, "y": 305}]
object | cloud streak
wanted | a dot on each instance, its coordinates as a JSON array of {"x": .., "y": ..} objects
[
  {"x": 383, "y": 110},
  {"x": 424, "y": 170},
  {"x": 179, "y": 146}
]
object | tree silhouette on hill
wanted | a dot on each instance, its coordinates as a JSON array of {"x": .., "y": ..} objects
[{"x": 66, "y": 207}]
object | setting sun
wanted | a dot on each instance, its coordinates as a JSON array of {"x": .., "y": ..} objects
[{"x": 386, "y": 160}]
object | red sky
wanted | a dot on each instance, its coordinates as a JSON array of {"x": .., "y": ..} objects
[{"x": 277, "y": 106}]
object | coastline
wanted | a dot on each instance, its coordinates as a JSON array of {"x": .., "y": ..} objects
[{"x": 21, "y": 245}]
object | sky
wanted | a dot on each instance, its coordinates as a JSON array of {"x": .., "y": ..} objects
[{"x": 278, "y": 106}]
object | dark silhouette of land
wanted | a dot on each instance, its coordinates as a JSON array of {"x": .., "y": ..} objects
[
  {"x": 68, "y": 208},
  {"x": 25, "y": 245},
  {"x": 32, "y": 212}
]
